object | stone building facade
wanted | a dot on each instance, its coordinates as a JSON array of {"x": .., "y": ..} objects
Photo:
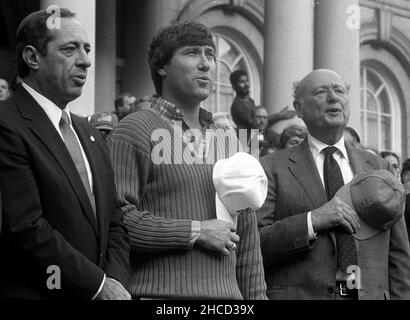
[{"x": 276, "y": 41}]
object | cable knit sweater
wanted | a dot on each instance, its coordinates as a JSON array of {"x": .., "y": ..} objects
[{"x": 159, "y": 202}]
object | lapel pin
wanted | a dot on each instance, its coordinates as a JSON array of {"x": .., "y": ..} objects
[{"x": 92, "y": 138}]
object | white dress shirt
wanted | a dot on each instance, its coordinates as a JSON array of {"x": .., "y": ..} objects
[
  {"x": 54, "y": 113},
  {"x": 342, "y": 160}
]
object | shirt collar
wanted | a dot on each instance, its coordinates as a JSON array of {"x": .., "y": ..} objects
[
  {"x": 170, "y": 111},
  {"x": 317, "y": 146},
  {"x": 50, "y": 108}
]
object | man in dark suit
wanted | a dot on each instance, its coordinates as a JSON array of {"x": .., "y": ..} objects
[
  {"x": 307, "y": 235},
  {"x": 62, "y": 233}
]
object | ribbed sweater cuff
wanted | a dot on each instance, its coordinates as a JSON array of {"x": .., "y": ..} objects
[{"x": 156, "y": 234}]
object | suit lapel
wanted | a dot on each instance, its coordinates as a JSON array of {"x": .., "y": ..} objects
[
  {"x": 358, "y": 163},
  {"x": 303, "y": 168},
  {"x": 305, "y": 171},
  {"x": 42, "y": 127},
  {"x": 89, "y": 144}
]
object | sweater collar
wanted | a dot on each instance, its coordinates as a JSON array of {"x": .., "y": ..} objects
[{"x": 170, "y": 111}]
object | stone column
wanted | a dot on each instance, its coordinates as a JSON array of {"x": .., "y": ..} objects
[
  {"x": 106, "y": 56},
  {"x": 337, "y": 25},
  {"x": 288, "y": 51},
  {"x": 141, "y": 19},
  {"x": 86, "y": 15}
]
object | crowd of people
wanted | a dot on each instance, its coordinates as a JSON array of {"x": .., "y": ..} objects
[{"x": 144, "y": 203}]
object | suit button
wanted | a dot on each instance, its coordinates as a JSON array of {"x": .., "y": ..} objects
[
  {"x": 290, "y": 246},
  {"x": 331, "y": 290},
  {"x": 297, "y": 243}
]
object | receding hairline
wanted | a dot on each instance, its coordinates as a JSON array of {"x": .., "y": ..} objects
[
  {"x": 298, "y": 85},
  {"x": 52, "y": 33}
]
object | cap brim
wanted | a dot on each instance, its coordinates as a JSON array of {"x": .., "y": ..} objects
[
  {"x": 222, "y": 213},
  {"x": 104, "y": 127},
  {"x": 365, "y": 231}
]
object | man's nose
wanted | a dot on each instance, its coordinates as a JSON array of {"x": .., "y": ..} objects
[
  {"x": 204, "y": 64},
  {"x": 332, "y": 97},
  {"x": 83, "y": 59}
]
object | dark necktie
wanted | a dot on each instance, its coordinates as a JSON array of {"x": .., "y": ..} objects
[
  {"x": 73, "y": 147},
  {"x": 346, "y": 249}
]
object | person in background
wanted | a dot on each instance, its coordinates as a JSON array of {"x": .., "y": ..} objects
[
  {"x": 123, "y": 105},
  {"x": 223, "y": 120},
  {"x": 405, "y": 176},
  {"x": 143, "y": 103},
  {"x": 292, "y": 136},
  {"x": 104, "y": 122},
  {"x": 352, "y": 137},
  {"x": 405, "y": 179},
  {"x": 256, "y": 133},
  {"x": 4, "y": 90},
  {"x": 394, "y": 161},
  {"x": 243, "y": 104},
  {"x": 278, "y": 122},
  {"x": 259, "y": 117}
]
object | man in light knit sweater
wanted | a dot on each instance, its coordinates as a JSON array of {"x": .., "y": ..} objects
[{"x": 178, "y": 247}]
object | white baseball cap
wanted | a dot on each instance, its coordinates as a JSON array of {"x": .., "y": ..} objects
[{"x": 241, "y": 185}]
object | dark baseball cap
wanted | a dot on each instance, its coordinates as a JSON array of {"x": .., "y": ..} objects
[
  {"x": 378, "y": 198},
  {"x": 104, "y": 121}
]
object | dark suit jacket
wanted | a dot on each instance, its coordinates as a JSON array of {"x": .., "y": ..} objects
[
  {"x": 1, "y": 213},
  {"x": 407, "y": 214},
  {"x": 47, "y": 216},
  {"x": 296, "y": 268}
]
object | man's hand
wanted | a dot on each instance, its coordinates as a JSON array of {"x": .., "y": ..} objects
[
  {"x": 218, "y": 236},
  {"x": 333, "y": 214},
  {"x": 113, "y": 290}
]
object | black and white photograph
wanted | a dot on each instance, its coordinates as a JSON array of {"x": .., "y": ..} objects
[{"x": 204, "y": 158}]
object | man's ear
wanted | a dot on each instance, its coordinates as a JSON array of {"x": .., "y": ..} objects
[
  {"x": 297, "y": 105},
  {"x": 31, "y": 57},
  {"x": 162, "y": 72}
]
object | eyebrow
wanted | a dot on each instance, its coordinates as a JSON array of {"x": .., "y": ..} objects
[
  {"x": 326, "y": 86},
  {"x": 76, "y": 43},
  {"x": 197, "y": 47}
]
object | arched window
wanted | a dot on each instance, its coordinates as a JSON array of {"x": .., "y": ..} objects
[
  {"x": 380, "y": 113},
  {"x": 229, "y": 57}
]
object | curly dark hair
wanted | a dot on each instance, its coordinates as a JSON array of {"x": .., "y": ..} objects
[
  {"x": 234, "y": 77},
  {"x": 171, "y": 38}
]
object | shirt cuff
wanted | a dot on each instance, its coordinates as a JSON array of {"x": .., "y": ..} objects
[
  {"x": 195, "y": 232},
  {"x": 100, "y": 288},
  {"x": 311, "y": 232}
]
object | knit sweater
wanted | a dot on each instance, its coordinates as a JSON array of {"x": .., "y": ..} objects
[{"x": 159, "y": 202}]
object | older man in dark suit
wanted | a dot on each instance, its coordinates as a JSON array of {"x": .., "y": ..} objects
[
  {"x": 306, "y": 232},
  {"x": 62, "y": 231}
]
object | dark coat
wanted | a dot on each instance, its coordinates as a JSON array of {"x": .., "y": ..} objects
[
  {"x": 47, "y": 217},
  {"x": 296, "y": 268}
]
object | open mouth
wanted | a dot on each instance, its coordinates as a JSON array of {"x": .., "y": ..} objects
[{"x": 334, "y": 110}]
